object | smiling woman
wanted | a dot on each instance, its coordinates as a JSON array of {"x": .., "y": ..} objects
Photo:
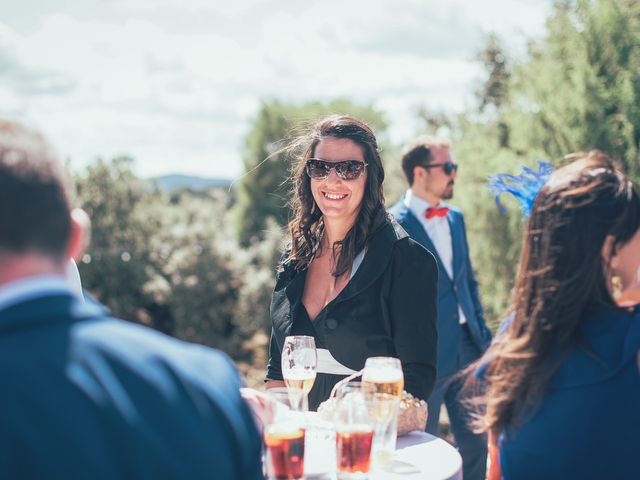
[{"x": 351, "y": 278}]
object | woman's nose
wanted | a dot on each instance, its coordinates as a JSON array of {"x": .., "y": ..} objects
[{"x": 332, "y": 177}]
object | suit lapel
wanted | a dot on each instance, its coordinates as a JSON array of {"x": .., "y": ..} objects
[
  {"x": 456, "y": 245},
  {"x": 415, "y": 229}
]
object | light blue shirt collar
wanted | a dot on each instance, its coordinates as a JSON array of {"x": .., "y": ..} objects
[
  {"x": 418, "y": 205},
  {"x": 33, "y": 287}
]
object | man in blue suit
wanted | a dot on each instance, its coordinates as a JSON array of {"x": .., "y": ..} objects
[
  {"x": 462, "y": 333},
  {"x": 85, "y": 395}
]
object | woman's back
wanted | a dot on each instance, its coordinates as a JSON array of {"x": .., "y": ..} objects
[{"x": 588, "y": 422}]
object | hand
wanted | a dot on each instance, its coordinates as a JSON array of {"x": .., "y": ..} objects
[{"x": 263, "y": 407}]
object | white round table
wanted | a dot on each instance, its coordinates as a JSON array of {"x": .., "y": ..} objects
[{"x": 418, "y": 455}]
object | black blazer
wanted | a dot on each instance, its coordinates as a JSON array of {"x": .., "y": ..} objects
[{"x": 388, "y": 308}]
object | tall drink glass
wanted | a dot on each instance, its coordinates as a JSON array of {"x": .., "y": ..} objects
[
  {"x": 385, "y": 375},
  {"x": 299, "y": 362},
  {"x": 354, "y": 437},
  {"x": 383, "y": 409},
  {"x": 284, "y": 442}
]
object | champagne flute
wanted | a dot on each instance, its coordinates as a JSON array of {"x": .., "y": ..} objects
[{"x": 299, "y": 362}]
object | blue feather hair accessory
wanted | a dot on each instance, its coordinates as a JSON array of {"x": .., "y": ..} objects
[{"x": 524, "y": 187}]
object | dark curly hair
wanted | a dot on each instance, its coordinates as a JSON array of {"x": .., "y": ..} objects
[{"x": 306, "y": 228}]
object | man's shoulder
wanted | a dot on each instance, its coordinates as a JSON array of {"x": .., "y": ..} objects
[
  {"x": 455, "y": 212},
  {"x": 140, "y": 345},
  {"x": 399, "y": 209}
]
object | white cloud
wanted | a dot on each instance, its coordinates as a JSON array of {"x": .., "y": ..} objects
[{"x": 175, "y": 84}]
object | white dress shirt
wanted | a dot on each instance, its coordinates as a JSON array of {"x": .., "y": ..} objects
[
  {"x": 439, "y": 232},
  {"x": 30, "y": 288},
  {"x": 73, "y": 277}
]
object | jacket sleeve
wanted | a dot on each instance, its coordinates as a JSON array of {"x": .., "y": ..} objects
[
  {"x": 474, "y": 291},
  {"x": 412, "y": 305},
  {"x": 274, "y": 370}
]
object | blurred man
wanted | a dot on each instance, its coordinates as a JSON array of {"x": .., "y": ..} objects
[
  {"x": 462, "y": 333},
  {"x": 85, "y": 395}
]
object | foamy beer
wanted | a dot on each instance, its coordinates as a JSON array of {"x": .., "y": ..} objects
[
  {"x": 384, "y": 374},
  {"x": 285, "y": 451},
  {"x": 353, "y": 449}
]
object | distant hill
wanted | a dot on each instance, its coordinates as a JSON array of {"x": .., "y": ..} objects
[{"x": 169, "y": 183}]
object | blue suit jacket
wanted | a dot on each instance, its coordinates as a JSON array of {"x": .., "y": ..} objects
[
  {"x": 461, "y": 290},
  {"x": 86, "y": 396}
]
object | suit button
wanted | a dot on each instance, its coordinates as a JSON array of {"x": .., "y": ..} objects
[{"x": 332, "y": 323}]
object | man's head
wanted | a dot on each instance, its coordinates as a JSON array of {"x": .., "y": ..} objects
[
  {"x": 430, "y": 169},
  {"x": 35, "y": 210}
]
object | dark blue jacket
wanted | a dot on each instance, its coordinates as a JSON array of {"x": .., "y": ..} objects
[
  {"x": 588, "y": 423},
  {"x": 88, "y": 396},
  {"x": 461, "y": 290}
]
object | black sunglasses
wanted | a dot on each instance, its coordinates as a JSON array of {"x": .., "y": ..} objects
[
  {"x": 346, "y": 169},
  {"x": 448, "y": 167}
]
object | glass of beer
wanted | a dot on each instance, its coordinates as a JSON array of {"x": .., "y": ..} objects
[
  {"x": 284, "y": 443},
  {"x": 384, "y": 374},
  {"x": 354, "y": 437},
  {"x": 354, "y": 386},
  {"x": 383, "y": 409},
  {"x": 299, "y": 362}
]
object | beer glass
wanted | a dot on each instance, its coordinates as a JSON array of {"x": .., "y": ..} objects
[
  {"x": 384, "y": 374},
  {"x": 354, "y": 386},
  {"x": 299, "y": 361},
  {"x": 354, "y": 437},
  {"x": 284, "y": 442},
  {"x": 383, "y": 409}
]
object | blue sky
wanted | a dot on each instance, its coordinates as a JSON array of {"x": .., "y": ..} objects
[{"x": 176, "y": 84}]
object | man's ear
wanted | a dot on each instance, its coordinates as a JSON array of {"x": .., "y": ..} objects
[{"x": 79, "y": 234}]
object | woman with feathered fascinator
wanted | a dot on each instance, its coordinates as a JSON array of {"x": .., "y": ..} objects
[{"x": 562, "y": 396}]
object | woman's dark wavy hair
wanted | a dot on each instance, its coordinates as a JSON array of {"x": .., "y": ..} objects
[
  {"x": 562, "y": 276},
  {"x": 306, "y": 228}
]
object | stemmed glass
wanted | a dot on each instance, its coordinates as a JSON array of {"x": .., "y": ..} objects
[{"x": 299, "y": 362}]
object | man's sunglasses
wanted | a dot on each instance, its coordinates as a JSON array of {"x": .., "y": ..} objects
[
  {"x": 448, "y": 167},
  {"x": 346, "y": 169}
]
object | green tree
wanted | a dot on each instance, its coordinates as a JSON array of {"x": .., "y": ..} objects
[
  {"x": 117, "y": 264},
  {"x": 172, "y": 262},
  {"x": 494, "y": 237},
  {"x": 580, "y": 88},
  {"x": 263, "y": 191},
  {"x": 494, "y": 91},
  {"x": 493, "y": 95}
]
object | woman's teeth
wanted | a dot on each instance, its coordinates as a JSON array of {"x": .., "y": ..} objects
[{"x": 334, "y": 196}]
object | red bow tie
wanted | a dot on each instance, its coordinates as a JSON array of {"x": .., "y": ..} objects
[{"x": 436, "y": 212}]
